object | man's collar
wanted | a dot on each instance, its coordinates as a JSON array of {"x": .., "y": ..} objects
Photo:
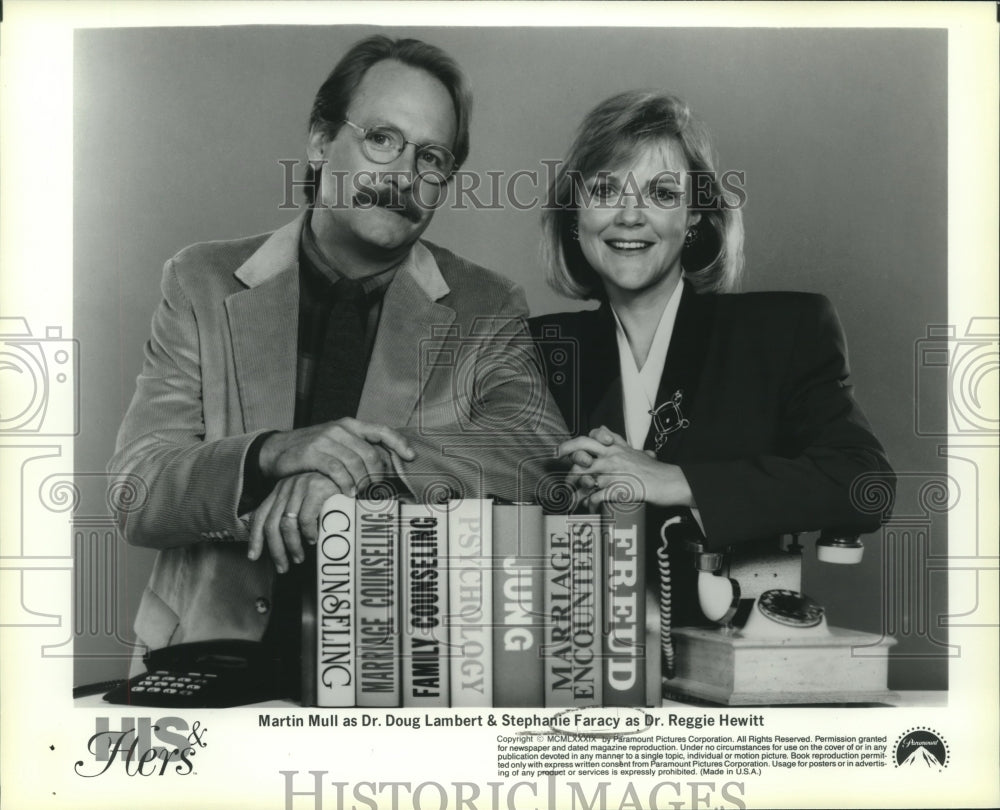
[
  {"x": 316, "y": 266},
  {"x": 423, "y": 267},
  {"x": 280, "y": 253}
]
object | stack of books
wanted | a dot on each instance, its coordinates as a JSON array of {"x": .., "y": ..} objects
[{"x": 473, "y": 603}]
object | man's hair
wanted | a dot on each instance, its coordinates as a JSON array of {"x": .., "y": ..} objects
[
  {"x": 611, "y": 134},
  {"x": 334, "y": 96}
]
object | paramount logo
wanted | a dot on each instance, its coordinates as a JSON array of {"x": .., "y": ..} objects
[{"x": 922, "y": 749}]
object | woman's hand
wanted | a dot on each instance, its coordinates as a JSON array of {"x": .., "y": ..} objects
[
  {"x": 286, "y": 516},
  {"x": 604, "y": 467}
]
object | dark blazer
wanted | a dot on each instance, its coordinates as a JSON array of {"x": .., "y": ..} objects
[{"x": 774, "y": 438}]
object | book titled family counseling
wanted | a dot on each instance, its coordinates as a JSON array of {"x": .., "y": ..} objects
[{"x": 475, "y": 603}]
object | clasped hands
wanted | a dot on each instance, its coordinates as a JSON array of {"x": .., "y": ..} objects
[
  {"x": 605, "y": 467},
  {"x": 311, "y": 464}
]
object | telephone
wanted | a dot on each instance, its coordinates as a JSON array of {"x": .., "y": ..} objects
[
  {"x": 767, "y": 642},
  {"x": 206, "y": 674}
]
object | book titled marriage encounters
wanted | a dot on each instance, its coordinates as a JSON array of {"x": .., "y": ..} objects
[{"x": 573, "y": 670}]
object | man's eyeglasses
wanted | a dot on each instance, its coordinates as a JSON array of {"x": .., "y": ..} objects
[{"x": 383, "y": 144}]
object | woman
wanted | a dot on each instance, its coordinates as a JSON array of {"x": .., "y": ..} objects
[{"x": 734, "y": 406}]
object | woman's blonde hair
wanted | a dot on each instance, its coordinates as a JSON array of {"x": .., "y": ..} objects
[{"x": 609, "y": 136}]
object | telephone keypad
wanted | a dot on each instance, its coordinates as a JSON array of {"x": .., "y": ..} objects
[
  {"x": 169, "y": 682},
  {"x": 204, "y": 674},
  {"x": 169, "y": 686}
]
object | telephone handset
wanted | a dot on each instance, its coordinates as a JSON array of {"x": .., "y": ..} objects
[{"x": 206, "y": 674}]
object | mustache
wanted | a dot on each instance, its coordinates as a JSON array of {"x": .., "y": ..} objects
[{"x": 390, "y": 198}]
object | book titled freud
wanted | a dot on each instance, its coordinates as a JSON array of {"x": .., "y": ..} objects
[
  {"x": 572, "y": 656},
  {"x": 624, "y": 630},
  {"x": 424, "y": 540}
]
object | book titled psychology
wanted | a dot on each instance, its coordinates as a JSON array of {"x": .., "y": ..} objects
[{"x": 470, "y": 601}]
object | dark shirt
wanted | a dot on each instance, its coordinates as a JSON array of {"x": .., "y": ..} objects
[
  {"x": 317, "y": 292},
  {"x": 318, "y": 289}
]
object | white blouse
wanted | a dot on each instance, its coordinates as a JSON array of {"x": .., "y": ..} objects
[{"x": 639, "y": 385}]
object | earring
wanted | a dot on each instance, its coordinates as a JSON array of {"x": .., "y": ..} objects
[
  {"x": 574, "y": 232},
  {"x": 690, "y": 237}
]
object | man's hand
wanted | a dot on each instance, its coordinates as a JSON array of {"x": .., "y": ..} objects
[
  {"x": 604, "y": 462},
  {"x": 290, "y": 513},
  {"x": 348, "y": 452}
]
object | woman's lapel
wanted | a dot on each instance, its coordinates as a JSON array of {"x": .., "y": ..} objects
[
  {"x": 682, "y": 373},
  {"x": 600, "y": 376}
]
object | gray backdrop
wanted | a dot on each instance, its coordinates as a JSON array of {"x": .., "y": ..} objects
[{"x": 841, "y": 133}]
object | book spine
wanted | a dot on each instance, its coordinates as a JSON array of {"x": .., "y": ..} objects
[
  {"x": 624, "y": 625},
  {"x": 377, "y": 666},
  {"x": 470, "y": 601},
  {"x": 573, "y": 674},
  {"x": 424, "y": 539},
  {"x": 518, "y": 597},
  {"x": 335, "y": 603}
]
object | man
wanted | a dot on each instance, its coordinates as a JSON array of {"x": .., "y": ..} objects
[{"x": 337, "y": 351}]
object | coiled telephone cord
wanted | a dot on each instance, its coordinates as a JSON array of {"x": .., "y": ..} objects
[{"x": 666, "y": 637}]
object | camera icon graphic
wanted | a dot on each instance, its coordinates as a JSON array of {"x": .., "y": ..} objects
[
  {"x": 39, "y": 381},
  {"x": 957, "y": 380},
  {"x": 481, "y": 364}
]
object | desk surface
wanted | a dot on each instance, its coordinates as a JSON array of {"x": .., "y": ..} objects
[{"x": 904, "y": 698}]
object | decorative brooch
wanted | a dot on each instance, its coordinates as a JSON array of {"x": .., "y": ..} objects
[{"x": 667, "y": 418}]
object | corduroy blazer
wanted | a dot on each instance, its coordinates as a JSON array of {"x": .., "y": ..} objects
[{"x": 450, "y": 367}]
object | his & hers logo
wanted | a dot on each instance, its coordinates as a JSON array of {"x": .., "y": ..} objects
[{"x": 132, "y": 743}]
